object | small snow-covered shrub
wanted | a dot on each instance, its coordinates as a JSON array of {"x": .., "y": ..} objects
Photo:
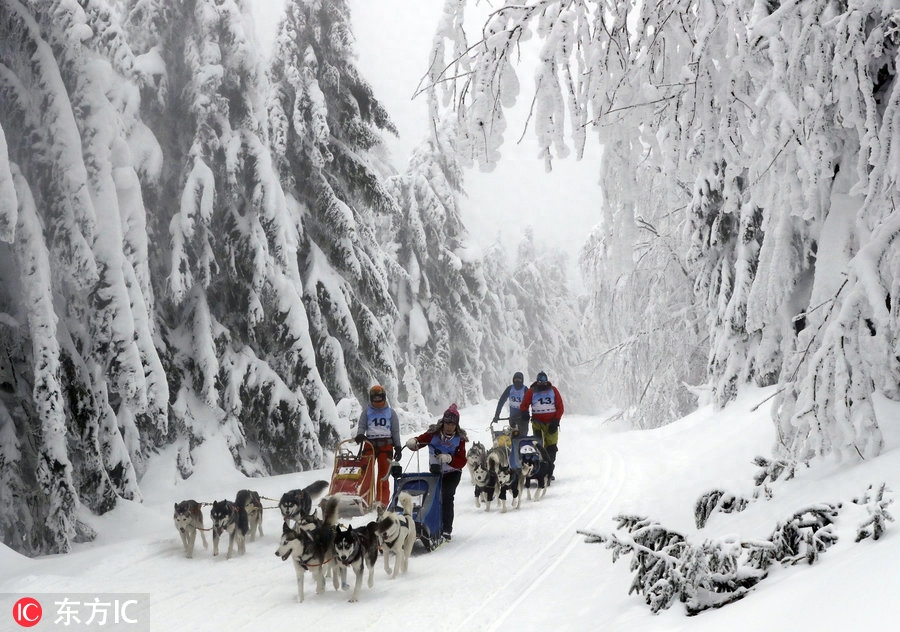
[
  {"x": 876, "y": 504},
  {"x": 669, "y": 568}
]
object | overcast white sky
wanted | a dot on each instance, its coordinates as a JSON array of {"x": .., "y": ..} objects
[{"x": 393, "y": 41}]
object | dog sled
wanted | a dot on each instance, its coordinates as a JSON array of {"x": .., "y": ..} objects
[
  {"x": 521, "y": 446},
  {"x": 425, "y": 490},
  {"x": 502, "y": 438},
  {"x": 353, "y": 477}
]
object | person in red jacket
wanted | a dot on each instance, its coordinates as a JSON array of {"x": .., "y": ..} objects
[
  {"x": 546, "y": 410},
  {"x": 446, "y": 443}
]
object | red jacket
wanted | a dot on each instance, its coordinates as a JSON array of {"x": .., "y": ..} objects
[{"x": 543, "y": 417}]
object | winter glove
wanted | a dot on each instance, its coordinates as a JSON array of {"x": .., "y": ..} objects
[
  {"x": 412, "y": 443},
  {"x": 444, "y": 458},
  {"x": 553, "y": 426},
  {"x": 360, "y": 438},
  {"x": 396, "y": 470},
  {"x": 398, "y": 453}
]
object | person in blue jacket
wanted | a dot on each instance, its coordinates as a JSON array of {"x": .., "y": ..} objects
[{"x": 514, "y": 393}]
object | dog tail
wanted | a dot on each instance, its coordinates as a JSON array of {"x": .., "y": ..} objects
[
  {"x": 405, "y": 501},
  {"x": 330, "y": 506},
  {"x": 316, "y": 488}
]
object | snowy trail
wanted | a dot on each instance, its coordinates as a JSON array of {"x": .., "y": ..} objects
[
  {"x": 500, "y": 555},
  {"x": 525, "y": 570},
  {"x": 558, "y": 552}
]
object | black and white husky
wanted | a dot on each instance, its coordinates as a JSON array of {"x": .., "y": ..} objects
[
  {"x": 310, "y": 545},
  {"x": 358, "y": 549},
  {"x": 486, "y": 486},
  {"x": 536, "y": 467},
  {"x": 298, "y": 503},
  {"x": 229, "y": 517},
  {"x": 397, "y": 534},
  {"x": 251, "y": 503},
  {"x": 188, "y": 520},
  {"x": 475, "y": 455},
  {"x": 509, "y": 480}
]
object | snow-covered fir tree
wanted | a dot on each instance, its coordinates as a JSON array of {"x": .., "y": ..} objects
[
  {"x": 237, "y": 338},
  {"x": 81, "y": 364},
  {"x": 439, "y": 286},
  {"x": 325, "y": 126},
  {"x": 767, "y": 130}
]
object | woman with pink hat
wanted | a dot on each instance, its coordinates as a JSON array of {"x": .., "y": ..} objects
[{"x": 446, "y": 443}]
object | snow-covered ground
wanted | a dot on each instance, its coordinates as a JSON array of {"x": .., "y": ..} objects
[{"x": 523, "y": 570}]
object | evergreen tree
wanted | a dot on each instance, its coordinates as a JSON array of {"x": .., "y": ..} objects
[
  {"x": 777, "y": 128},
  {"x": 233, "y": 289},
  {"x": 325, "y": 126},
  {"x": 438, "y": 288}
]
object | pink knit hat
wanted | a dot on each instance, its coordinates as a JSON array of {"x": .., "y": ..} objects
[{"x": 451, "y": 414}]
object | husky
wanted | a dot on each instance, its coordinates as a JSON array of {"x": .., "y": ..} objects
[
  {"x": 509, "y": 480},
  {"x": 349, "y": 505},
  {"x": 486, "y": 486},
  {"x": 310, "y": 544},
  {"x": 475, "y": 455},
  {"x": 357, "y": 548},
  {"x": 230, "y": 517},
  {"x": 298, "y": 503},
  {"x": 535, "y": 466},
  {"x": 397, "y": 534},
  {"x": 251, "y": 503},
  {"x": 188, "y": 520},
  {"x": 497, "y": 457}
]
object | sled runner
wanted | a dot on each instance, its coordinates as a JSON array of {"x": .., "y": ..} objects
[
  {"x": 523, "y": 445},
  {"x": 353, "y": 476},
  {"x": 425, "y": 490}
]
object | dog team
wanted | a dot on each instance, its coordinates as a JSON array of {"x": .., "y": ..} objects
[
  {"x": 494, "y": 477},
  {"x": 314, "y": 543}
]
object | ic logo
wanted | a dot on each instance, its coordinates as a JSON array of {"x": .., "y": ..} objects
[{"x": 27, "y": 612}]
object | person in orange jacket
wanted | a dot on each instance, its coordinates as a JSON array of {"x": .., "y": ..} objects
[
  {"x": 446, "y": 443},
  {"x": 379, "y": 424},
  {"x": 546, "y": 410}
]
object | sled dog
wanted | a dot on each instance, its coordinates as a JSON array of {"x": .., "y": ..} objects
[
  {"x": 535, "y": 467},
  {"x": 485, "y": 486},
  {"x": 251, "y": 503},
  {"x": 188, "y": 520},
  {"x": 496, "y": 457},
  {"x": 299, "y": 502},
  {"x": 475, "y": 455},
  {"x": 358, "y": 549},
  {"x": 509, "y": 480},
  {"x": 397, "y": 534},
  {"x": 310, "y": 545},
  {"x": 228, "y": 517}
]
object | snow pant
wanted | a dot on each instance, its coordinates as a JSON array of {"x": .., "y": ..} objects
[
  {"x": 449, "y": 482},
  {"x": 550, "y": 439},
  {"x": 384, "y": 453}
]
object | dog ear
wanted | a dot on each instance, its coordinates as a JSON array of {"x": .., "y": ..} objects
[{"x": 285, "y": 528}]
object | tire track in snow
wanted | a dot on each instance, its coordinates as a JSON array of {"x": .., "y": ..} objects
[{"x": 519, "y": 587}]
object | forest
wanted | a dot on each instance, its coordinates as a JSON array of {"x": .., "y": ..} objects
[{"x": 190, "y": 230}]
